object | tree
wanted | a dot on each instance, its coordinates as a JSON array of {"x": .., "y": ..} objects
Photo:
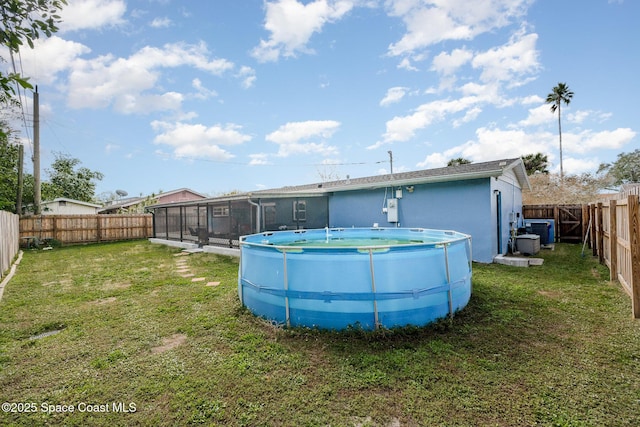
[
  {"x": 624, "y": 170},
  {"x": 536, "y": 163},
  {"x": 573, "y": 189},
  {"x": 560, "y": 94},
  {"x": 458, "y": 161},
  {"x": 24, "y": 21},
  {"x": 8, "y": 173},
  {"x": 65, "y": 181}
]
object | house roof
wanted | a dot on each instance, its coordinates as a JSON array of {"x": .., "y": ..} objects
[
  {"x": 76, "y": 202},
  {"x": 450, "y": 173},
  {"x": 132, "y": 201},
  {"x": 490, "y": 169}
]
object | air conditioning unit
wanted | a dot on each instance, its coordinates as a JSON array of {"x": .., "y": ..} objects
[{"x": 528, "y": 244}]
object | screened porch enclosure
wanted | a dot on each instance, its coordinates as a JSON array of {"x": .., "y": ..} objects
[{"x": 221, "y": 223}]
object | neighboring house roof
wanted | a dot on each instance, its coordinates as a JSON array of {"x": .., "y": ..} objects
[
  {"x": 490, "y": 169},
  {"x": 133, "y": 201},
  {"x": 73, "y": 201}
]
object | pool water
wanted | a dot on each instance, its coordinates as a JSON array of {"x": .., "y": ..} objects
[{"x": 353, "y": 242}]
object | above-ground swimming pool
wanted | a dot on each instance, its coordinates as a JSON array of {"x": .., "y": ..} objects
[{"x": 366, "y": 278}]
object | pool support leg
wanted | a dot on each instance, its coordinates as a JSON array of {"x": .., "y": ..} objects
[
  {"x": 286, "y": 290},
  {"x": 373, "y": 289},
  {"x": 449, "y": 294}
]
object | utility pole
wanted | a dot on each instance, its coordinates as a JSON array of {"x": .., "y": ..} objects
[
  {"x": 391, "y": 160},
  {"x": 37, "y": 195}
]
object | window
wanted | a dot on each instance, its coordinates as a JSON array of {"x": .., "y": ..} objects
[
  {"x": 220, "y": 211},
  {"x": 300, "y": 210},
  {"x": 269, "y": 211}
]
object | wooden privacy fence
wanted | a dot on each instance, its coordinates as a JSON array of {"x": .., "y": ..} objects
[
  {"x": 8, "y": 239},
  {"x": 73, "y": 229},
  {"x": 569, "y": 220},
  {"x": 615, "y": 240}
]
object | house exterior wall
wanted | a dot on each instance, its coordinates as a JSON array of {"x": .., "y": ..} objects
[
  {"x": 292, "y": 213},
  {"x": 466, "y": 206},
  {"x": 511, "y": 209},
  {"x": 68, "y": 208}
]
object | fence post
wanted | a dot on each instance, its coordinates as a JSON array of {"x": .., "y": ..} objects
[
  {"x": 594, "y": 246},
  {"x": 556, "y": 220},
  {"x": 634, "y": 241},
  {"x": 584, "y": 220},
  {"x": 613, "y": 241},
  {"x": 600, "y": 234}
]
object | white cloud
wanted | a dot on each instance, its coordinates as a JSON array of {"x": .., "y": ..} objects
[
  {"x": 491, "y": 144},
  {"x": 403, "y": 128},
  {"x": 92, "y": 14},
  {"x": 447, "y": 63},
  {"x": 573, "y": 166},
  {"x": 259, "y": 159},
  {"x": 532, "y": 99},
  {"x": 518, "y": 59},
  {"x": 107, "y": 80},
  {"x": 589, "y": 140},
  {"x": 289, "y": 137},
  {"x": 202, "y": 92},
  {"x": 431, "y": 21},
  {"x": 292, "y": 23},
  {"x": 406, "y": 65},
  {"x": 49, "y": 57},
  {"x": 394, "y": 94},
  {"x": 538, "y": 116},
  {"x": 161, "y": 23},
  {"x": 248, "y": 76},
  {"x": 197, "y": 140}
]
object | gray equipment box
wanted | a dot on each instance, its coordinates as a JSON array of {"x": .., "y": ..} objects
[{"x": 528, "y": 244}]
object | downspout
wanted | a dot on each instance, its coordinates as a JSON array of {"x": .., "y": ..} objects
[
  {"x": 498, "y": 194},
  {"x": 258, "y": 209}
]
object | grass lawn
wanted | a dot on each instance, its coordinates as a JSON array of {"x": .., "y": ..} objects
[{"x": 139, "y": 344}]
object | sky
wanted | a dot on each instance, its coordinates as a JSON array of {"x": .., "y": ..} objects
[{"x": 242, "y": 95}]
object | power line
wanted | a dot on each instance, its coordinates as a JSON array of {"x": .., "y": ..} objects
[{"x": 19, "y": 91}]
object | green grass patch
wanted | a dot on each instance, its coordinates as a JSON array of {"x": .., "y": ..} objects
[{"x": 114, "y": 331}]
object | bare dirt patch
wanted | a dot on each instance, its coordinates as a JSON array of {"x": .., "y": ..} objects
[
  {"x": 111, "y": 286},
  {"x": 103, "y": 301},
  {"x": 169, "y": 342},
  {"x": 550, "y": 294}
]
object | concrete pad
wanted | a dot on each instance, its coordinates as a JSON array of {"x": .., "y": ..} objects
[
  {"x": 198, "y": 279},
  {"x": 193, "y": 250},
  {"x": 513, "y": 261},
  {"x": 188, "y": 275},
  {"x": 221, "y": 251},
  {"x": 174, "y": 243},
  {"x": 212, "y": 283}
]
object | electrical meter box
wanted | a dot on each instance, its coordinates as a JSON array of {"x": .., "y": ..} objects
[{"x": 392, "y": 210}]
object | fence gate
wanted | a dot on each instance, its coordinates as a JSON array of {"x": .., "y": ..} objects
[{"x": 569, "y": 220}]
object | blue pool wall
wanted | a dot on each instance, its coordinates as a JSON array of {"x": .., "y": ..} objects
[
  {"x": 468, "y": 206},
  {"x": 331, "y": 288}
]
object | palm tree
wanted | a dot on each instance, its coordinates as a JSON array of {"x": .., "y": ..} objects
[
  {"x": 459, "y": 161},
  {"x": 560, "y": 94},
  {"x": 534, "y": 163}
]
